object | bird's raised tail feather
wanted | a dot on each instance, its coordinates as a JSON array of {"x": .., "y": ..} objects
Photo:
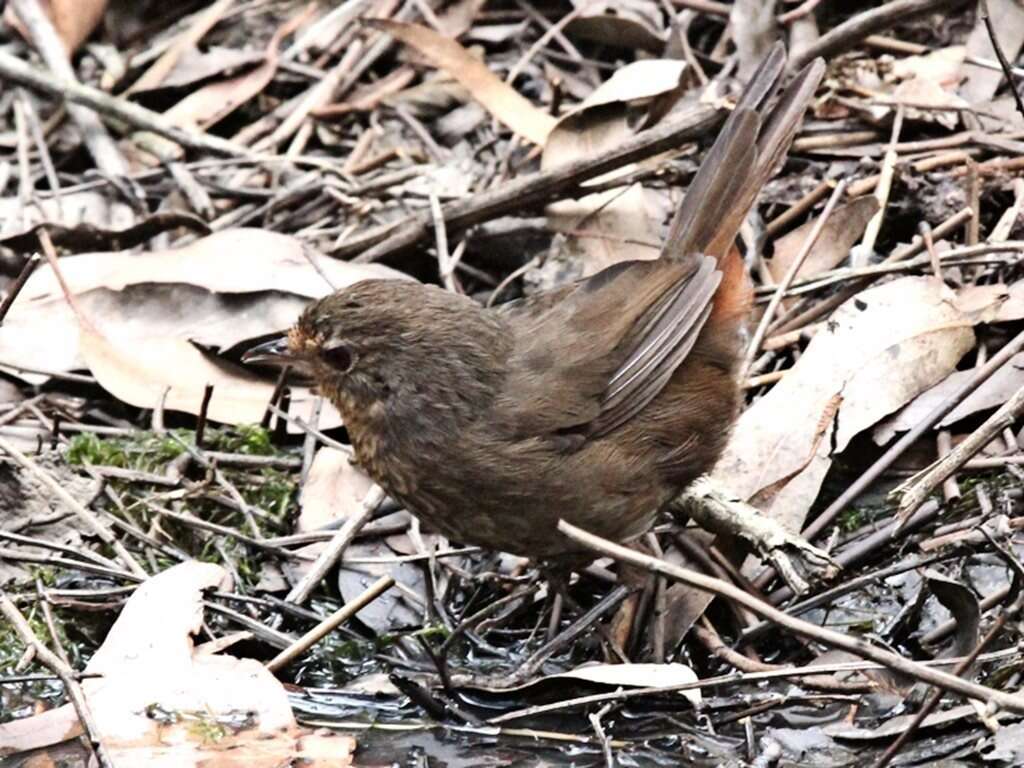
[{"x": 750, "y": 148}]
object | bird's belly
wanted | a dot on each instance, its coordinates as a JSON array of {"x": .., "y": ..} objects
[{"x": 514, "y": 504}]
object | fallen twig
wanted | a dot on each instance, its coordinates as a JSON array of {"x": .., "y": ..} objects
[
  {"x": 332, "y": 622},
  {"x": 1011, "y": 701},
  {"x": 530, "y": 190},
  {"x": 67, "y": 676}
]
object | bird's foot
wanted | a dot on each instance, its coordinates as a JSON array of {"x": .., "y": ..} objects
[{"x": 793, "y": 557}]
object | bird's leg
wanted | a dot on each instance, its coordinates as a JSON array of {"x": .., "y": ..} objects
[
  {"x": 558, "y": 588},
  {"x": 717, "y": 511},
  {"x": 557, "y": 577},
  {"x": 621, "y": 628}
]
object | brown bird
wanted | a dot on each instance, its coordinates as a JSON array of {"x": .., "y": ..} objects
[{"x": 597, "y": 402}]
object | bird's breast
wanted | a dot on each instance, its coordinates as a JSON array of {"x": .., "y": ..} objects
[{"x": 375, "y": 446}]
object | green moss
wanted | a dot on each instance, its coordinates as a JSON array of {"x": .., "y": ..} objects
[
  {"x": 12, "y": 647},
  {"x": 146, "y": 452},
  {"x": 250, "y": 439},
  {"x": 272, "y": 493},
  {"x": 851, "y": 519}
]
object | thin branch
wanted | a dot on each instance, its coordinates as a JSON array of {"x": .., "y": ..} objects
[
  {"x": 332, "y": 622},
  {"x": 1010, "y": 701},
  {"x": 67, "y": 676},
  {"x": 983, "y": 12}
]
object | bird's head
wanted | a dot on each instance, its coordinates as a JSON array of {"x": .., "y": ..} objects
[{"x": 374, "y": 340}]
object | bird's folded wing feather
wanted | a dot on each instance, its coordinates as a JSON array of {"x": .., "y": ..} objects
[{"x": 626, "y": 330}]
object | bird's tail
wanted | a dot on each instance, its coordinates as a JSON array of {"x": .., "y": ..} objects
[{"x": 750, "y": 148}]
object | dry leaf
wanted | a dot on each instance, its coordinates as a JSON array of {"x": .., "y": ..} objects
[
  {"x": 229, "y": 261},
  {"x": 992, "y": 394},
  {"x": 334, "y": 490},
  {"x": 141, "y": 374},
  {"x": 619, "y": 224},
  {"x": 894, "y": 726},
  {"x": 148, "y": 663},
  {"x": 1007, "y": 18},
  {"x": 497, "y": 97},
  {"x": 993, "y": 303},
  {"x": 74, "y": 20},
  {"x": 175, "y": 373},
  {"x": 842, "y": 231},
  {"x": 1007, "y": 745},
  {"x": 196, "y": 29},
  {"x": 70, "y": 210},
  {"x": 944, "y": 66},
  {"x": 921, "y": 92},
  {"x": 619, "y": 675},
  {"x": 637, "y": 676},
  {"x": 195, "y": 66},
  {"x": 187, "y": 293},
  {"x": 210, "y": 104},
  {"x": 628, "y": 24},
  {"x": 396, "y": 609},
  {"x": 44, "y": 334},
  {"x": 879, "y": 350}
]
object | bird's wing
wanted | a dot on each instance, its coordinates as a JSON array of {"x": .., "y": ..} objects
[{"x": 589, "y": 356}]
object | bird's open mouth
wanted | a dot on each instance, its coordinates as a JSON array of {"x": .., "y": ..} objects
[{"x": 273, "y": 352}]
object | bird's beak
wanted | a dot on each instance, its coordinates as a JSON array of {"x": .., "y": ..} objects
[{"x": 273, "y": 352}]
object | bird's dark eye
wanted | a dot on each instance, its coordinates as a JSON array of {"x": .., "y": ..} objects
[{"x": 338, "y": 357}]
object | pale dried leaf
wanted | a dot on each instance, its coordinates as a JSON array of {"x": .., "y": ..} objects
[
  {"x": 396, "y": 609},
  {"x": 43, "y": 730},
  {"x": 197, "y": 27},
  {"x": 921, "y": 92},
  {"x": 44, "y": 334},
  {"x": 879, "y": 350},
  {"x": 623, "y": 675},
  {"x": 943, "y": 67},
  {"x": 1007, "y": 18},
  {"x": 229, "y": 261},
  {"x": 996, "y": 390},
  {"x": 209, "y": 104},
  {"x": 636, "y": 83},
  {"x": 194, "y": 66},
  {"x": 497, "y": 97},
  {"x": 1008, "y": 745},
  {"x": 149, "y": 660},
  {"x": 993, "y": 303},
  {"x": 894, "y": 726},
  {"x": 187, "y": 293},
  {"x": 841, "y": 232},
  {"x": 74, "y": 20},
  {"x": 334, "y": 489},
  {"x": 619, "y": 224},
  {"x": 141, "y": 375},
  {"x": 70, "y": 210},
  {"x": 637, "y": 676}
]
